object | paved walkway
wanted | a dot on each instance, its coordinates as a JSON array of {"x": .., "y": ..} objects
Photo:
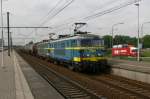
[{"x": 13, "y": 84}]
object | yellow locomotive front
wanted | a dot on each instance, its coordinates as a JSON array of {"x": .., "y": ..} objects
[{"x": 91, "y": 55}]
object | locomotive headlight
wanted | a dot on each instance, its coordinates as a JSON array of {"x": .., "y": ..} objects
[
  {"x": 87, "y": 55},
  {"x": 99, "y": 54}
]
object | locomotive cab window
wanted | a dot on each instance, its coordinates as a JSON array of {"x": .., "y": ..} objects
[
  {"x": 73, "y": 43},
  {"x": 91, "y": 42}
]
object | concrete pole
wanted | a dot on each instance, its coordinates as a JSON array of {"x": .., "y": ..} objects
[
  {"x": 2, "y": 47},
  {"x": 11, "y": 43},
  {"x": 138, "y": 40},
  {"x": 8, "y": 34}
]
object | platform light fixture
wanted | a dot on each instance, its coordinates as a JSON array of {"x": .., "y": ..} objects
[
  {"x": 138, "y": 30},
  {"x": 113, "y": 31}
]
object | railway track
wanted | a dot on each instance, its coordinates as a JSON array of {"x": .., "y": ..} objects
[
  {"x": 110, "y": 86},
  {"x": 65, "y": 86},
  {"x": 145, "y": 86},
  {"x": 133, "y": 89}
]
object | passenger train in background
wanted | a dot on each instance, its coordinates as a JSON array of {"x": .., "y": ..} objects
[
  {"x": 80, "y": 52},
  {"x": 124, "y": 50}
]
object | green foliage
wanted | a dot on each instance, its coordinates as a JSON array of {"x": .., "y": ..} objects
[
  {"x": 146, "y": 53},
  {"x": 107, "y": 41},
  {"x": 119, "y": 39},
  {"x": 146, "y": 41}
]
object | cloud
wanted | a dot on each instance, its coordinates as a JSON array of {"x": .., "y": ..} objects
[{"x": 30, "y": 13}]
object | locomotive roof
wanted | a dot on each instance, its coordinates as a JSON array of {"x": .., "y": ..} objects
[{"x": 81, "y": 36}]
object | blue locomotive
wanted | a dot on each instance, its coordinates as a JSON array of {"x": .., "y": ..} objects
[{"x": 81, "y": 52}]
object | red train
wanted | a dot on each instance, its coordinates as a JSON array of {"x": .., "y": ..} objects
[{"x": 124, "y": 50}]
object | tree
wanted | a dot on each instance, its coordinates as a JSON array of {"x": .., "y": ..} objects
[
  {"x": 133, "y": 41},
  {"x": 119, "y": 39},
  {"x": 107, "y": 41},
  {"x": 146, "y": 41}
]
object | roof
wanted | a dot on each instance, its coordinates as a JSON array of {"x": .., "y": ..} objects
[{"x": 78, "y": 36}]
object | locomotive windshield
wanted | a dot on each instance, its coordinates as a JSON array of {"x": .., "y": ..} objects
[
  {"x": 91, "y": 42},
  {"x": 91, "y": 52},
  {"x": 93, "y": 47}
]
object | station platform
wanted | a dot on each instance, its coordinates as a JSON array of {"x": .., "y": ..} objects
[
  {"x": 19, "y": 81},
  {"x": 143, "y": 67},
  {"x": 139, "y": 71},
  {"x": 12, "y": 82}
]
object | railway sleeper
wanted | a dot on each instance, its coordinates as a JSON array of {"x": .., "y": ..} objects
[
  {"x": 62, "y": 83},
  {"x": 78, "y": 96},
  {"x": 65, "y": 85},
  {"x": 68, "y": 88},
  {"x": 73, "y": 91}
]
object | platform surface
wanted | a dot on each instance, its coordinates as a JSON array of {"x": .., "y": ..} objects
[
  {"x": 141, "y": 66},
  {"x": 19, "y": 81},
  {"x": 7, "y": 78},
  {"x": 12, "y": 82},
  {"x": 40, "y": 88}
]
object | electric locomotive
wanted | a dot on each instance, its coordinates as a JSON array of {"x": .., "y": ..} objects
[{"x": 81, "y": 52}]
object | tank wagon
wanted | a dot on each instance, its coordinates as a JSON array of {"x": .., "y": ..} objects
[
  {"x": 28, "y": 48},
  {"x": 83, "y": 52}
]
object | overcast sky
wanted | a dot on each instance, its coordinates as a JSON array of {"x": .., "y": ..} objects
[{"x": 33, "y": 12}]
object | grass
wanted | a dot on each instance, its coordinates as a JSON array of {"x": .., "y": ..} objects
[{"x": 146, "y": 53}]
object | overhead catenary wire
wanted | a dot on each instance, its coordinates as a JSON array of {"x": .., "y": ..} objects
[
  {"x": 46, "y": 16},
  {"x": 80, "y": 18},
  {"x": 50, "y": 11},
  {"x": 93, "y": 16},
  {"x": 98, "y": 14},
  {"x": 65, "y": 5},
  {"x": 59, "y": 11},
  {"x": 130, "y": 2}
]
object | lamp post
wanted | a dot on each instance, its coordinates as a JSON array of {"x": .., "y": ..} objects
[
  {"x": 138, "y": 23},
  {"x": 113, "y": 31},
  {"x": 2, "y": 47}
]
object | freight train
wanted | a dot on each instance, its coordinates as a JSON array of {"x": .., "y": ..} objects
[
  {"x": 84, "y": 52},
  {"x": 81, "y": 52}
]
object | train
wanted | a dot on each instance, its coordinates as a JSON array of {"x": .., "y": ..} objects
[
  {"x": 124, "y": 50},
  {"x": 83, "y": 52},
  {"x": 80, "y": 52}
]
